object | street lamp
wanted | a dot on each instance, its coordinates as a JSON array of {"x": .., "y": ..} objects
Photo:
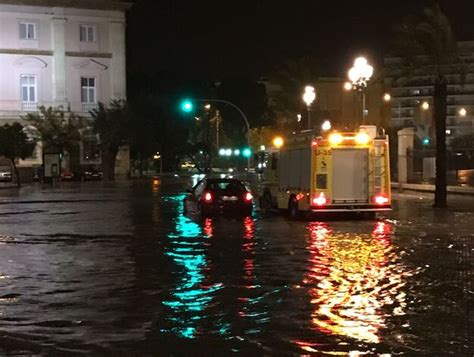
[
  {"x": 309, "y": 96},
  {"x": 326, "y": 125},
  {"x": 387, "y": 97},
  {"x": 463, "y": 112},
  {"x": 425, "y": 106},
  {"x": 277, "y": 142},
  {"x": 359, "y": 74}
]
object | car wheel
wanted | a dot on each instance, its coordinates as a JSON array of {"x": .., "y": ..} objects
[
  {"x": 293, "y": 211},
  {"x": 203, "y": 212}
]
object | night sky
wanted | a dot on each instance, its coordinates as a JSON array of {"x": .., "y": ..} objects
[{"x": 215, "y": 39}]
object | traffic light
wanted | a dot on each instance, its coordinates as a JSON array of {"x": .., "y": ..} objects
[
  {"x": 246, "y": 152},
  {"x": 426, "y": 140},
  {"x": 187, "y": 106}
]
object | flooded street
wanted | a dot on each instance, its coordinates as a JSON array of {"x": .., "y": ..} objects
[{"x": 118, "y": 269}]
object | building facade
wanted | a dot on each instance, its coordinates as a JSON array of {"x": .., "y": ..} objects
[
  {"x": 412, "y": 97},
  {"x": 61, "y": 53}
]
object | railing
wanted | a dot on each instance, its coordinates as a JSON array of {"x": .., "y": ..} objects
[
  {"x": 29, "y": 106},
  {"x": 87, "y": 107}
]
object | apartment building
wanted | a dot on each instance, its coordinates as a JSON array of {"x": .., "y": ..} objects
[{"x": 412, "y": 97}]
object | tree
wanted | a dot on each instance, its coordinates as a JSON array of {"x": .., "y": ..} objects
[
  {"x": 428, "y": 45},
  {"x": 15, "y": 144},
  {"x": 113, "y": 124},
  {"x": 288, "y": 81},
  {"x": 57, "y": 129}
]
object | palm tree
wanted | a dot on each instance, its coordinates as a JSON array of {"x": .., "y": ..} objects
[{"x": 429, "y": 47}]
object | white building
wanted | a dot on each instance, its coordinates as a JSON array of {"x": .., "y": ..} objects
[
  {"x": 68, "y": 53},
  {"x": 412, "y": 98}
]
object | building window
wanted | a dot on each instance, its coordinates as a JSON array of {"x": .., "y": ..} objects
[
  {"x": 28, "y": 89},
  {"x": 27, "y": 31},
  {"x": 87, "y": 33},
  {"x": 88, "y": 90}
]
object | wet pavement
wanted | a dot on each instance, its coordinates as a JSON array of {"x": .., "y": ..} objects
[{"x": 117, "y": 269}]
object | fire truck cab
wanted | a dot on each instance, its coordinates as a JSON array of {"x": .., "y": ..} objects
[{"x": 337, "y": 172}]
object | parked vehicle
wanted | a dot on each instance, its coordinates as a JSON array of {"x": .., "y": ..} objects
[
  {"x": 5, "y": 173},
  {"x": 215, "y": 196},
  {"x": 92, "y": 174},
  {"x": 67, "y": 175}
]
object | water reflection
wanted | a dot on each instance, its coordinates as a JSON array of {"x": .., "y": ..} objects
[
  {"x": 207, "y": 255},
  {"x": 354, "y": 283},
  {"x": 191, "y": 295}
]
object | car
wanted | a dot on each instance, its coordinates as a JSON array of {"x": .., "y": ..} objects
[
  {"x": 92, "y": 174},
  {"x": 67, "y": 175},
  {"x": 5, "y": 174},
  {"x": 214, "y": 196}
]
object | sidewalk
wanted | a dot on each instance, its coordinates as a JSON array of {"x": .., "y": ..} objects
[
  {"x": 7, "y": 185},
  {"x": 466, "y": 190}
]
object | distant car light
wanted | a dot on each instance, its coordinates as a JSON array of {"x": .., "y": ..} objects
[{"x": 248, "y": 196}]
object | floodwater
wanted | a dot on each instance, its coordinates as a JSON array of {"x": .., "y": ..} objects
[{"x": 95, "y": 269}]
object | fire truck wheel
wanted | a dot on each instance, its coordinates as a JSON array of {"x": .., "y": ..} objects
[
  {"x": 293, "y": 211},
  {"x": 370, "y": 215}
]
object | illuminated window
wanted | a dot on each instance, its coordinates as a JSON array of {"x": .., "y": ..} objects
[
  {"x": 87, "y": 33},
  {"x": 27, "y": 31},
  {"x": 28, "y": 89},
  {"x": 88, "y": 90}
]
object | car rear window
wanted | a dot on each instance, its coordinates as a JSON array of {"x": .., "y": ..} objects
[{"x": 234, "y": 186}]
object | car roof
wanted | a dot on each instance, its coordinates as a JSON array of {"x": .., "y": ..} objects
[{"x": 214, "y": 180}]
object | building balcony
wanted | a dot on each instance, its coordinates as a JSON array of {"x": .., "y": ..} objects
[
  {"x": 87, "y": 107},
  {"x": 29, "y": 106}
]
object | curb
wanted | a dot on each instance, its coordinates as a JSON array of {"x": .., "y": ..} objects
[{"x": 458, "y": 190}]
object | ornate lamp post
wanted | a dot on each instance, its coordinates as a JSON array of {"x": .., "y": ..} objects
[
  {"x": 359, "y": 75},
  {"x": 309, "y": 96}
]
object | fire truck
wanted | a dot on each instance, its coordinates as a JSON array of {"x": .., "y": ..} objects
[{"x": 336, "y": 172}]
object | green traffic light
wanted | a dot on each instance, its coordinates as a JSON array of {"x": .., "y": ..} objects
[
  {"x": 426, "y": 141},
  {"x": 187, "y": 106},
  {"x": 246, "y": 152}
]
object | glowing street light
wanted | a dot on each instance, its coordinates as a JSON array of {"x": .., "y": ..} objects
[
  {"x": 425, "y": 106},
  {"x": 387, "y": 97},
  {"x": 278, "y": 142},
  {"x": 298, "y": 117},
  {"x": 359, "y": 74},
  {"x": 326, "y": 125},
  {"x": 463, "y": 112},
  {"x": 309, "y": 96},
  {"x": 347, "y": 86}
]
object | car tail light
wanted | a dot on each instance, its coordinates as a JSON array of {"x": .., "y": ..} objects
[
  {"x": 381, "y": 200},
  {"x": 207, "y": 197},
  {"x": 320, "y": 200},
  {"x": 248, "y": 196}
]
